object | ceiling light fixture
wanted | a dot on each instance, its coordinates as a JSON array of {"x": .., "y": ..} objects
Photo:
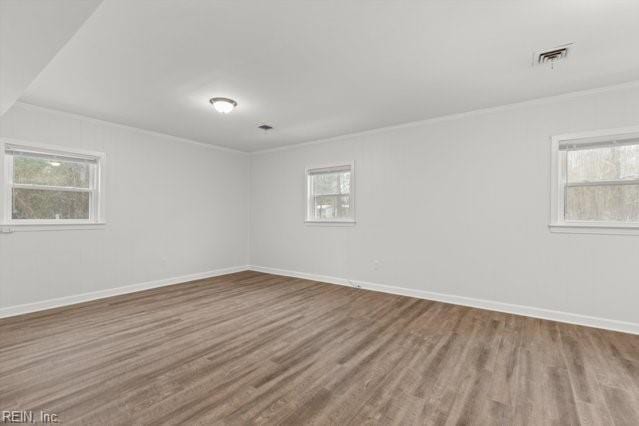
[{"x": 223, "y": 105}]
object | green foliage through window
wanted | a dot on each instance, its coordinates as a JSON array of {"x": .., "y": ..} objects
[
  {"x": 50, "y": 172},
  {"x": 48, "y": 187}
]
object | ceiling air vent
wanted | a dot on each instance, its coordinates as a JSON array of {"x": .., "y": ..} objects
[{"x": 550, "y": 56}]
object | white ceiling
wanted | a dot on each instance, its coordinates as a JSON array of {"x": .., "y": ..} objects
[
  {"x": 316, "y": 69},
  {"x": 31, "y": 33}
]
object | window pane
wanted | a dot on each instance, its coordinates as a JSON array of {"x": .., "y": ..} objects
[
  {"x": 50, "y": 171},
  {"x": 614, "y": 203},
  {"x": 330, "y": 195},
  {"x": 331, "y": 206},
  {"x": 604, "y": 163},
  {"x": 331, "y": 183},
  {"x": 44, "y": 204}
]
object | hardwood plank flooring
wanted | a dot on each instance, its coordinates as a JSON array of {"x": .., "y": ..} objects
[{"x": 253, "y": 348}]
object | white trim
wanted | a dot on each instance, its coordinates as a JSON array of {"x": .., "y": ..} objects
[
  {"x": 65, "y": 226},
  {"x": 101, "y": 294},
  {"x": 595, "y": 228},
  {"x": 541, "y": 313},
  {"x": 590, "y": 136},
  {"x": 340, "y": 222},
  {"x": 29, "y": 106},
  {"x": 50, "y": 149},
  {"x": 529, "y": 311},
  {"x": 603, "y": 183},
  {"x": 558, "y": 183},
  {"x": 51, "y": 188},
  {"x": 455, "y": 116}
]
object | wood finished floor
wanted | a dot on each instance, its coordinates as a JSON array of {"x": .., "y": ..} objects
[{"x": 255, "y": 348}]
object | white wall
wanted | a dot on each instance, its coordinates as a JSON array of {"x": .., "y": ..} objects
[
  {"x": 458, "y": 206},
  {"x": 173, "y": 208}
]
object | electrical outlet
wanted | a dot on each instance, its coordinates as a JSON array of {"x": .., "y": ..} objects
[
  {"x": 376, "y": 265},
  {"x": 354, "y": 284}
]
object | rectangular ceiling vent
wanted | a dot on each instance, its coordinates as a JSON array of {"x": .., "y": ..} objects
[{"x": 551, "y": 56}]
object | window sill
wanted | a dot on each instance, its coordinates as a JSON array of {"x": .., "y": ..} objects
[
  {"x": 591, "y": 228},
  {"x": 29, "y": 227},
  {"x": 330, "y": 222}
]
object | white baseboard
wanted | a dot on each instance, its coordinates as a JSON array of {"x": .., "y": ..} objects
[
  {"x": 604, "y": 323},
  {"x": 101, "y": 294},
  {"x": 529, "y": 311}
]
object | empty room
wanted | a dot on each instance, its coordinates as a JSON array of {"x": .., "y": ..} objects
[{"x": 319, "y": 212}]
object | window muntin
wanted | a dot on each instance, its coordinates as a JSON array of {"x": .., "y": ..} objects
[
  {"x": 597, "y": 180},
  {"x": 45, "y": 186},
  {"x": 330, "y": 194}
]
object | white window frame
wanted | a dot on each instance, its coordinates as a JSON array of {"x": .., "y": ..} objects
[
  {"x": 96, "y": 189},
  {"x": 309, "y": 219},
  {"x": 558, "y": 183}
]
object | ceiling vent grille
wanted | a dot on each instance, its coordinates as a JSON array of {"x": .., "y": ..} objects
[{"x": 551, "y": 56}]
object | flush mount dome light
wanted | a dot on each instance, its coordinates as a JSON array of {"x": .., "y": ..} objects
[{"x": 223, "y": 105}]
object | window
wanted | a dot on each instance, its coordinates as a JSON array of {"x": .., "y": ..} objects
[
  {"x": 596, "y": 180},
  {"x": 47, "y": 186},
  {"x": 330, "y": 195}
]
